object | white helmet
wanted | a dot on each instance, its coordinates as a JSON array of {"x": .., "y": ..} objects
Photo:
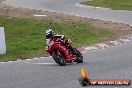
[{"x": 49, "y": 33}]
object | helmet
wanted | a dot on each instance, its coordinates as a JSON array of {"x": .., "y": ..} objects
[{"x": 49, "y": 33}]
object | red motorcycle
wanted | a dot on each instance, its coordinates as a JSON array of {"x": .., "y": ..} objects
[{"x": 62, "y": 51}]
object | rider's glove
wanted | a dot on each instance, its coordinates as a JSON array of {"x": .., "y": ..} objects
[{"x": 62, "y": 37}]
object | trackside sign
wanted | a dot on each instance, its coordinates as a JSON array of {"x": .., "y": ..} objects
[
  {"x": 85, "y": 81},
  {"x": 2, "y": 41}
]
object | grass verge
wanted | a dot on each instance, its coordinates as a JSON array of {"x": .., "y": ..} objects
[
  {"x": 114, "y": 4},
  {"x": 25, "y": 38}
]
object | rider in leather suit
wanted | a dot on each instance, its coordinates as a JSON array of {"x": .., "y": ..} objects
[{"x": 50, "y": 34}]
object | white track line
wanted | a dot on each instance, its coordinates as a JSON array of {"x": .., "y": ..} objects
[
  {"x": 42, "y": 63},
  {"x": 39, "y": 15},
  {"x": 84, "y": 6}
]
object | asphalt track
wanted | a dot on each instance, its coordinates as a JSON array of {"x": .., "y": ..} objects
[
  {"x": 71, "y": 7},
  {"x": 110, "y": 63}
]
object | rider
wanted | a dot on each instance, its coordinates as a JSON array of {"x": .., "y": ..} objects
[{"x": 50, "y": 34}]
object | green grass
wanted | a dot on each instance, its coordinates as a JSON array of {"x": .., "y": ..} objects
[
  {"x": 114, "y": 4},
  {"x": 25, "y": 38}
]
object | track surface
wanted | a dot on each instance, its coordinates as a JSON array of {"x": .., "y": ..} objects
[
  {"x": 70, "y": 7},
  {"x": 110, "y": 63}
]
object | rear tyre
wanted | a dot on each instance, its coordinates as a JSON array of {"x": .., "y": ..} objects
[
  {"x": 79, "y": 56},
  {"x": 59, "y": 57}
]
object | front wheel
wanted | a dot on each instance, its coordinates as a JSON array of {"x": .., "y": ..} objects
[{"x": 59, "y": 57}]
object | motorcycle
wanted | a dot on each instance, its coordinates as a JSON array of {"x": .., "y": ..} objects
[{"x": 62, "y": 51}]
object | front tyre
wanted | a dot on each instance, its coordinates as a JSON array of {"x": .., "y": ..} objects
[{"x": 59, "y": 57}]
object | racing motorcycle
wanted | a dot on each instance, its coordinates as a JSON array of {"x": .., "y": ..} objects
[{"x": 62, "y": 51}]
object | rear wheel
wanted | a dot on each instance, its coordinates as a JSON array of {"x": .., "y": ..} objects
[
  {"x": 59, "y": 57},
  {"x": 79, "y": 56}
]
